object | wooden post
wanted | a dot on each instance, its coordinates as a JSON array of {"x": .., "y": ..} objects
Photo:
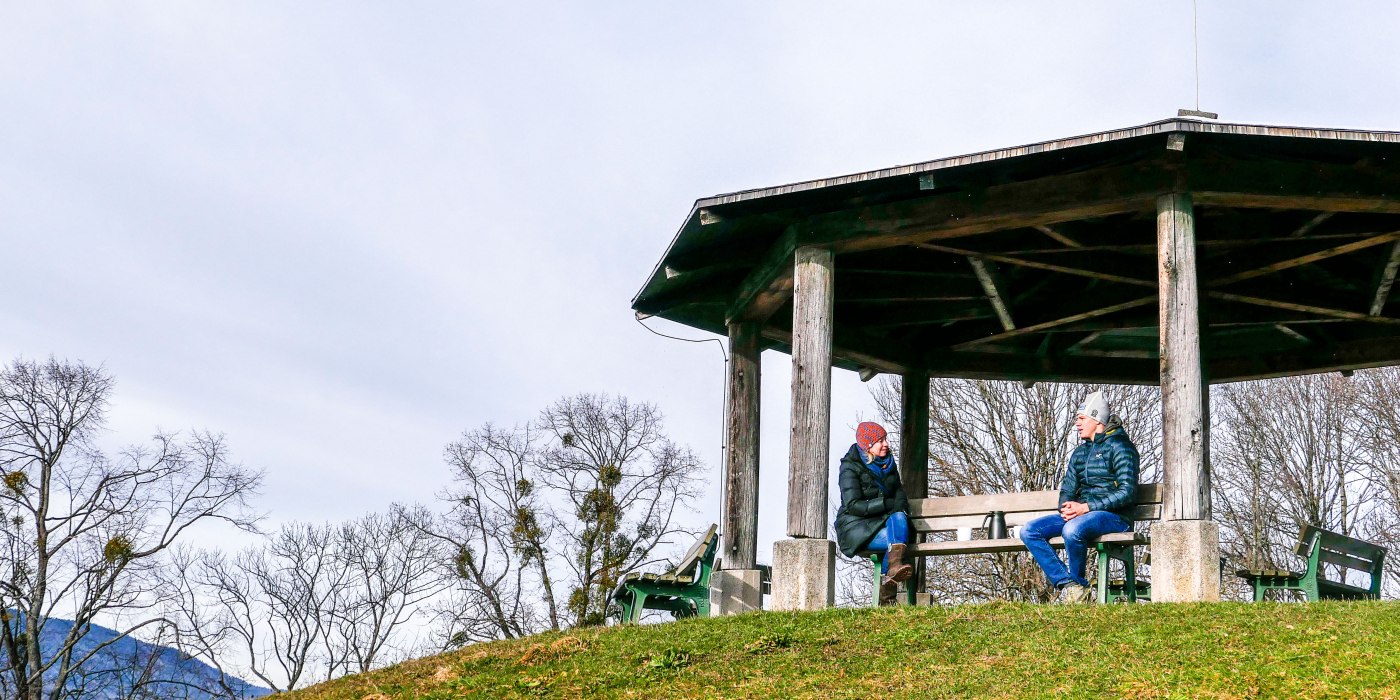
[
  {"x": 913, "y": 448},
  {"x": 913, "y": 435},
  {"x": 808, "y": 464},
  {"x": 1186, "y": 465},
  {"x": 1186, "y": 544},
  {"x": 741, "y": 461}
]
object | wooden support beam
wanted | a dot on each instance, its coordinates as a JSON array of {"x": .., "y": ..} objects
[
  {"x": 1036, "y": 264},
  {"x": 855, "y": 354},
  {"x": 809, "y": 458},
  {"x": 1283, "y": 184},
  {"x": 1045, "y": 201},
  {"x": 768, "y": 286},
  {"x": 986, "y": 276},
  {"x": 1304, "y": 308},
  {"x": 1060, "y": 237},
  {"x": 1078, "y": 346},
  {"x": 740, "y": 525},
  {"x": 1386, "y": 281},
  {"x": 1312, "y": 223},
  {"x": 1072, "y": 318},
  {"x": 1301, "y": 260},
  {"x": 1315, "y": 358},
  {"x": 1222, "y": 244},
  {"x": 1292, "y": 334},
  {"x": 1334, "y": 203},
  {"x": 1185, "y": 455}
]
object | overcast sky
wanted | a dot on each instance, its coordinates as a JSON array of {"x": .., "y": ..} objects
[{"x": 342, "y": 233}]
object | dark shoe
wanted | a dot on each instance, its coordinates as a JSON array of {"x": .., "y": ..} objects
[
  {"x": 889, "y": 591},
  {"x": 899, "y": 572}
]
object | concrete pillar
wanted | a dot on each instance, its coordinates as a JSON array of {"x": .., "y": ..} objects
[
  {"x": 734, "y": 591},
  {"x": 804, "y": 574},
  {"x": 1185, "y": 561},
  {"x": 1185, "y": 543}
]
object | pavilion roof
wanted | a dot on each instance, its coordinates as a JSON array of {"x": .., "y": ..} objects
[{"x": 1039, "y": 262}]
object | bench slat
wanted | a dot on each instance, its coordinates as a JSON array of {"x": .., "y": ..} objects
[
  {"x": 953, "y": 522},
  {"x": 1350, "y": 562},
  {"x": 1323, "y": 585},
  {"x": 928, "y": 549},
  {"x": 981, "y": 504},
  {"x": 1360, "y": 549},
  {"x": 1338, "y": 542}
]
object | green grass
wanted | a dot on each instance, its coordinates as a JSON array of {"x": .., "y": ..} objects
[{"x": 1224, "y": 650}]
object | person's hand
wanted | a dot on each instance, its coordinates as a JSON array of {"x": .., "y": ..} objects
[{"x": 1073, "y": 509}]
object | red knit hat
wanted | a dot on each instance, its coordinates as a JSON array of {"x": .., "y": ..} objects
[{"x": 867, "y": 433}]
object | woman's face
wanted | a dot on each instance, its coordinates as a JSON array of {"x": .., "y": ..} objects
[{"x": 880, "y": 447}]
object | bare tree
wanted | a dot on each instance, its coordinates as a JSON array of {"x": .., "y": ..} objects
[
  {"x": 1004, "y": 437},
  {"x": 621, "y": 480},
  {"x": 586, "y": 492},
  {"x": 499, "y": 532},
  {"x": 392, "y": 565},
  {"x": 84, "y": 535},
  {"x": 272, "y": 604}
]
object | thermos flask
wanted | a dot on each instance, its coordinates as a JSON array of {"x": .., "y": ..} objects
[{"x": 995, "y": 524}]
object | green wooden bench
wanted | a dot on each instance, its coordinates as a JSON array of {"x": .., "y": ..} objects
[
  {"x": 949, "y": 514},
  {"x": 1320, "y": 547},
  {"x": 684, "y": 590}
]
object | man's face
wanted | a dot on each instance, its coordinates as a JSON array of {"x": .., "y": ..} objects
[
  {"x": 1086, "y": 426},
  {"x": 880, "y": 447}
]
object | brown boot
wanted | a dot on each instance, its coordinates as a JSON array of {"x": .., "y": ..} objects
[
  {"x": 899, "y": 572},
  {"x": 889, "y": 591}
]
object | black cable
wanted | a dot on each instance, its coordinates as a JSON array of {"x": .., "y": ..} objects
[{"x": 724, "y": 354}]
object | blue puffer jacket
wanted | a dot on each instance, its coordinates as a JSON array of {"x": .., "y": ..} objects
[{"x": 1103, "y": 473}]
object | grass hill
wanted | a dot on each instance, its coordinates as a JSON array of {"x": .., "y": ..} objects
[{"x": 995, "y": 650}]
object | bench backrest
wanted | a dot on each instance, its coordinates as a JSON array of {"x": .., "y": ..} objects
[
  {"x": 953, "y": 512},
  {"x": 702, "y": 552},
  {"x": 1321, "y": 546}
]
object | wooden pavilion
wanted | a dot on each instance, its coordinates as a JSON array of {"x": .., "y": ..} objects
[{"x": 1178, "y": 253}]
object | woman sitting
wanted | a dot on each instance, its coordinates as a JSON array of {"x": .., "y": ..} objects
[{"x": 874, "y": 510}]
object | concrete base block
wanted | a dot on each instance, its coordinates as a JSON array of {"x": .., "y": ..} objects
[
  {"x": 736, "y": 591},
  {"x": 804, "y": 574},
  {"x": 1185, "y": 561},
  {"x": 923, "y": 599}
]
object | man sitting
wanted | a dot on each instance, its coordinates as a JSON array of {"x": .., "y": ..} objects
[{"x": 1096, "y": 498}]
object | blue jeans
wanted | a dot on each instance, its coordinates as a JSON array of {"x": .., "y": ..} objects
[
  {"x": 895, "y": 531},
  {"x": 1077, "y": 533}
]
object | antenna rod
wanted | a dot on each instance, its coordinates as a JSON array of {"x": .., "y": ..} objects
[{"x": 1196, "y": 45}]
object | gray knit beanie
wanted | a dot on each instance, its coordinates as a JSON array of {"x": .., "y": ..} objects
[{"x": 1095, "y": 406}]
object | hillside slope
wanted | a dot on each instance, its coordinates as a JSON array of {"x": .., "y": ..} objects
[{"x": 993, "y": 650}]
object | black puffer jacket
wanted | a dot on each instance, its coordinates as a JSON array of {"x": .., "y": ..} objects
[
  {"x": 864, "y": 504},
  {"x": 1103, "y": 473}
]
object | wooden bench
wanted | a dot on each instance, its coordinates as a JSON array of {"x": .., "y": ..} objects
[
  {"x": 949, "y": 514},
  {"x": 1320, "y": 547},
  {"x": 684, "y": 590}
]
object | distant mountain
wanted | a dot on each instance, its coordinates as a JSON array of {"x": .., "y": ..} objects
[{"x": 114, "y": 671}]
